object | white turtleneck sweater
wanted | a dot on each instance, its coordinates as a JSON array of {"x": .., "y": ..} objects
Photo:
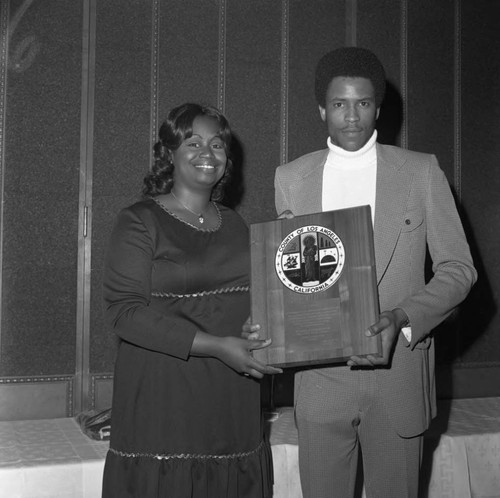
[{"x": 349, "y": 178}]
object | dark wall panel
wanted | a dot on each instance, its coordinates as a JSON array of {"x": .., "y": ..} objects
[
  {"x": 188, "y": 57},
  {"x": 480, "y": 146},
  {"x": 378, "y": 28},
  {"x": 252, "y": 95},
  {"x": 315, "y": 28},
  {"x": 42, "y": 144},
  {"x": 431, "y": 77},
  {"x": 152, "y": 55},
  {"x": 122, "y": 111}
]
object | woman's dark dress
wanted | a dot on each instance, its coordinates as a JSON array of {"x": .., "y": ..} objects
[{"x": 181, "y": 426}]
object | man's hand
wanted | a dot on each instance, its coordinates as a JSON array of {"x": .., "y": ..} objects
[
  {"x": 388, "y": 326},
  {"x": 287, "y": 214}
]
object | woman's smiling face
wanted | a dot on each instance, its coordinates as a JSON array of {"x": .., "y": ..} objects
[{"x": 200, "y": 160}]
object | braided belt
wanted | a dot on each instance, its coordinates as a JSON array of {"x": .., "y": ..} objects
[
  {"x": 241, "y": 288},
  {"x": 187, "y": 456}
]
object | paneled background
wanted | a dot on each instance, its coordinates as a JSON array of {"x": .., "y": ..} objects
[{"x": 84, "y": 85}]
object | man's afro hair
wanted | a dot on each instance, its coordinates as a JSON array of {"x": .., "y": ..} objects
[{"x": 354, "y": 62}]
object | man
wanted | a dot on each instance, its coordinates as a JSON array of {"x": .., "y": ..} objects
[{"x": 380, "y": 405}]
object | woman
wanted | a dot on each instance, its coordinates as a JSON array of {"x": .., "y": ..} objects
[{"x": 186, "y": 419}]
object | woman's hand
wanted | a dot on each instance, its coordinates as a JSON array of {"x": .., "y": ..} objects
[
  {"x": 235, "y": 352},
  {"x": 250, "y": 330}
]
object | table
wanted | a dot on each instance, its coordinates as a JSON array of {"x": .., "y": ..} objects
[
  {"x": 49, "y": 459},
  {"x": 284, "y": 445},
  {"x": 54, "y": 459},
  {"x": 462, "y": 450}
]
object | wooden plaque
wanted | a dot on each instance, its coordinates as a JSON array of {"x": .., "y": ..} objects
[{"x": 314, "y": 288}]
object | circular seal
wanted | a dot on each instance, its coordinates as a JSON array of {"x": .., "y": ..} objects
[{"x": 310, "y": 259}]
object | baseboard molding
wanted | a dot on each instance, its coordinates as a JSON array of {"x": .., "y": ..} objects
[
  {"x": 33, "y": 398},
  {"x": 30, "y": 398},
  {"x": 468, "y": 381}
]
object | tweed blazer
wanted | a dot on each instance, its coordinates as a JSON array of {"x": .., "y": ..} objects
[{"x": 414, "y": 212}]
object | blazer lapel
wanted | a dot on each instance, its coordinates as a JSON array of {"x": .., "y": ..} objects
[
  {"x": 308, "y": 192},
  {"x": 392, "y": 190}
]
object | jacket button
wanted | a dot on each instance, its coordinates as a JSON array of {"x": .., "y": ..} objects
[{"x": 407, "y": 221}]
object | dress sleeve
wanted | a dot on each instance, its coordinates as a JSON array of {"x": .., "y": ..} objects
[{"x": 127, "y": 291}]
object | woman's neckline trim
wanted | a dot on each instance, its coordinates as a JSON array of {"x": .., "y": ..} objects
[{"x": 199, "y": 229}]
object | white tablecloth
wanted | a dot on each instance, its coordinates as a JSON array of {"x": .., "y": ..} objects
[
  {"x": 284, "y": 445},
  {"x": 466, "y": 442},
  {"x": 49, "y": 459},
  {"x": 54, "y": 459}
]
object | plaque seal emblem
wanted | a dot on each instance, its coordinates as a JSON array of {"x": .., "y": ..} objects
[{"x": 310, "y": 259}]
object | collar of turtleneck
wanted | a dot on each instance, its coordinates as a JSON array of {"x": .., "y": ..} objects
[{"x": 341, "y": 157}]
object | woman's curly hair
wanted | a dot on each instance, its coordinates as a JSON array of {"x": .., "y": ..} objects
[{"x": 174, "y": 130}]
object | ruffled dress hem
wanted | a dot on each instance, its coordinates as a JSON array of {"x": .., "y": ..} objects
[{"x": 244, "y": 475}]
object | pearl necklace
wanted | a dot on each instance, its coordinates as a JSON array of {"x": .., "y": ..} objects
[{"x": 201, "y": 219}]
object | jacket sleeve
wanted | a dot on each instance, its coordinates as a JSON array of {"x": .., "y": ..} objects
[
  {"x": 280, "y": 199},
  {"x": 452, "y": 265},
  {"x": 127, "y": 291}
]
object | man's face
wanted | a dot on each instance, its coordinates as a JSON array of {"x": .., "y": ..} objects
[{"x": 350, "y": 112}]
